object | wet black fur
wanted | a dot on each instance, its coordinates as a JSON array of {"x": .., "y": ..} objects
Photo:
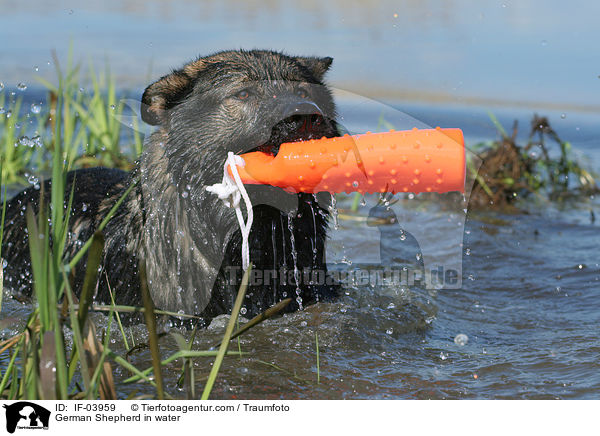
[{"x": 187, "y": 238}]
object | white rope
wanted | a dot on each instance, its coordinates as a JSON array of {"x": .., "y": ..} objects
[{"x": 230, "y": 192}]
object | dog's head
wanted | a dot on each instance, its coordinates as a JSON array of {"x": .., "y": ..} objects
[
  {"x": 235, "y": 101},
  {"x": 241, "y": 101}
]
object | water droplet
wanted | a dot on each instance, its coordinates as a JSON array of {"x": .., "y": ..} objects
[
  {"x": 563, "y": 116},
  {"x": 544, "y": 43},
  {"x": 112, "y": 106},
  {"x": 402, "y": 235},
  {"x": 36, "y": 68},
  {"x": 243, "y": 310},
  {"x": 389, "y": 331},
  {"x": 467, "y": 251},
  {"x": 1, "y": 86},
  {"x": 8, "y": 113},
  {"x": 25, "y": 141},
  {"x": 21, "y": 86},
  {"x": 185, "y": 194},
  {"x": 461, "y": 339},
  {"x": 36, "y": 108},
  {"x": 391, "y": 306},
  {"x": 70, "y": 11},
  {"x": 2, "y": 110},
  {"x": 443, "y": 356},
  {"x": 84, "y": 207}
]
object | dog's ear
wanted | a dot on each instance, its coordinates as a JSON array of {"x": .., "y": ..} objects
[
  {"x": 317, "y": 66},
  {"x": 167, "y": 92}
]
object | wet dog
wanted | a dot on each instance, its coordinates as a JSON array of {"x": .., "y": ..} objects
[{"x": 188, "y": 239}]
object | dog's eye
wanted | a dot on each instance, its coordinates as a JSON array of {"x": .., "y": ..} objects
[
  {"x": 302, "y": 93},
  {"x": 243, "y": 94}
]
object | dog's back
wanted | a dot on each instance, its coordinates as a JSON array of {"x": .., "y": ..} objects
[{"x": 90, "y": 188}]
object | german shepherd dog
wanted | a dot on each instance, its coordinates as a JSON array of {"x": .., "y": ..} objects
[{"x": 190, "y": 242}]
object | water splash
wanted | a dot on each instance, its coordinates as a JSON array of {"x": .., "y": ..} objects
[
  {"x": 402, "y": 236},
  {"x": 314, "y": 239},
  {"x": 295, "y": 258},
  {"x": 283, "y": 241},
  {"x": 334, "y": 212}
]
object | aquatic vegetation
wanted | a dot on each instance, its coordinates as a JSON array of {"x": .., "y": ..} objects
[
  {"x": 543, "y": 166},
  {"x": 92, "y": 131}
]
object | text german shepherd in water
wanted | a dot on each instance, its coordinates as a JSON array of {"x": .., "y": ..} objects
[{"x": 189, "y": 240}]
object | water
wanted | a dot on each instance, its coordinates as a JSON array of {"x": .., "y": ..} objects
[
  {"x": 530, "y": 291},
  {"x": 464, "y": 51},
  {"x": 530, "y": 313}
]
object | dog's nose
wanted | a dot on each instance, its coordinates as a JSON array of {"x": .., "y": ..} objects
[
  {"x": 303, "y": 108},
  {"x": 305, "y": 113}
]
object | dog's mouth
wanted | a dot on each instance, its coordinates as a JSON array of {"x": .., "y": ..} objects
[{"x": 297, "y": 128}]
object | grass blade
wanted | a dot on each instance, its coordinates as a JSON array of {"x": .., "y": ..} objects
[
  {"x": 91, "y": 276},
  {"x": 227, "y": 337},
  {"x": 152, "y": 335},
  {"x": 48, "y": 367},
  {"x": 318, "y": 363},
  {"x": 96, "y": 356},
  {"x": 103, "y": 224},
  {"x": 270, "y": 312}
]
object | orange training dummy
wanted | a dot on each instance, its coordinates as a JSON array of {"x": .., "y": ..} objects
[{"x": 417, "y": 160}]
